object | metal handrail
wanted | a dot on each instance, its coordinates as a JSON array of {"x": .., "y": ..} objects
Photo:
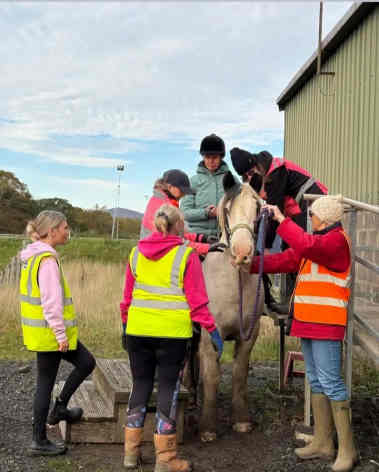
[{"x": 353, "y": 203}]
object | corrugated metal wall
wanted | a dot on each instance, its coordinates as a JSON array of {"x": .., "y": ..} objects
[{"x": 332, "y": 124}]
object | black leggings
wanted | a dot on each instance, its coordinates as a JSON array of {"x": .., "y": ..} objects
[
  {"x": 147, "y": 354},
  {"x": 47, "y": 369}
]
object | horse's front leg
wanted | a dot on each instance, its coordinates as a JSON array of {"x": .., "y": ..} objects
[
  {"x": 210, "y": 372},
  {"x": 240, "y": 406}
]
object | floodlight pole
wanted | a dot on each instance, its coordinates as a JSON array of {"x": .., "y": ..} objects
[{"x": 120, "y": 168}]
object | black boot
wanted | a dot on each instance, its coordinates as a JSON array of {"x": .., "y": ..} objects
[
  {"x": 281, "y": 308},
  {"x": 60, "y": 412},
  {"x": 41, "y": 446}
]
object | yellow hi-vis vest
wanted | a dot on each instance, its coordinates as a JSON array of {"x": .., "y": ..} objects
[
  {"x": 159, "y": 307},
  {"x": 35, "y": 329}
]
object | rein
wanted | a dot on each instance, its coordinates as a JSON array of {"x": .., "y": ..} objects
[
  {"x": 262, "y": 222},
  {"x": 259, "y": 248}
]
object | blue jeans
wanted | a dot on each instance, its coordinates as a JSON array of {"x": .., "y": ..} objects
[{"x": 323, "y": 362}]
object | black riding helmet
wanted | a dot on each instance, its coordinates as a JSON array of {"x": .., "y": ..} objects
[
  {"x": 212, "y": 144},
  {"x": 242, "y": 160}
]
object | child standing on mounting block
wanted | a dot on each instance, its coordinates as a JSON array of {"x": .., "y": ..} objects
[
  {"x": 164, "y": 292},
  {"x": 319, "y": 306}
]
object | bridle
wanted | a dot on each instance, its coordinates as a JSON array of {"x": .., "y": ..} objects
[
  {"x": 259, "y": 236},
  {"x": 250, "y": 228}
]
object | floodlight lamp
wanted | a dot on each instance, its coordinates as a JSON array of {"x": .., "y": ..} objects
[{"x": 120, "y": 167}]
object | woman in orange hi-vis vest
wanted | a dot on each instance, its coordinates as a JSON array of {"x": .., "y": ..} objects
[{"x": 319, "y": 306}]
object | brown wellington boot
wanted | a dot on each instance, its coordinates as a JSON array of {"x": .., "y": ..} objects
[
  {"x": 347, "y": 454},
  {"x": 132, "y": 447},
  {"x": 322, "y": 445},
  {"x": 166, "y": 458}
]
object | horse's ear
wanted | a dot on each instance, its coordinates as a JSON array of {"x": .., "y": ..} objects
[{"x": 228, "y": 181}]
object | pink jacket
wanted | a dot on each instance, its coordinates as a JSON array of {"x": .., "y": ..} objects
[
  {"x": 147, "y": 227},
  {"x": 50, "y": 287},
  {"x": 156, "y": 246}
]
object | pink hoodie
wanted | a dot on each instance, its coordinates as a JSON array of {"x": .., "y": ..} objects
[
  {"x": 156, "y": 246},
  {"x": 50, "y": 287}
]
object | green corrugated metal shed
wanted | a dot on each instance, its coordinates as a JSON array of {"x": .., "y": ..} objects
[{"x": 332, "y": 121}]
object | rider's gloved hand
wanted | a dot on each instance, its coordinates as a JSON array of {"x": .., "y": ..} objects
[
  {"x": 217, "y": 342},
  {"x": 217, "y": 247},
  {"x": 123, "y": 337},
  {"x": 210, "y": 239}
]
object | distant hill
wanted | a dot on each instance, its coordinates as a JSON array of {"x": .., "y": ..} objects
[{"x": 125, "y": 213}]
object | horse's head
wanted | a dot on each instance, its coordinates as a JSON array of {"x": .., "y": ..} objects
[{"x": 237, "y": 212}]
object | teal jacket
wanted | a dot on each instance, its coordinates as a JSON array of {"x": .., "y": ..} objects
[{"x": 209, "y": 191}]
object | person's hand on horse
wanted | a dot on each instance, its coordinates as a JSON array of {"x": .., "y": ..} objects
[
  {"x": 275, "y": 213},
  {"x": 217, "y": 247},
  {"x": 123, "y": 337},
  {"x": 217, "y": 342},
  {"x": 211, "y": 211}
]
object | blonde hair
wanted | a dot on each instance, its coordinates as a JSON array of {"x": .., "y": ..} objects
[
  {"x": 166, "y": 218},
  {"x": 39, "y": 227}
]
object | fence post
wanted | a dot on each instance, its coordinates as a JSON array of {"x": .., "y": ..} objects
[
  {"x": 350, "y": 307},
  {"x": 307, "y": 387}
]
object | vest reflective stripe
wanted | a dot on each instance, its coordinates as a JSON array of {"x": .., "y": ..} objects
[
  {"x": 328, "y": 277},
  {"x": 312, "y": 300},
  {"x": 37, "y": 301},
  {"x": 38, "y": 336},
  {"x": 159, "y": 290},
  {"x": 44, "y": 323},
  {"x": 159, "y": 307},
  {"x": 175, "y": 273},
  {"x": 321, "y": 295}
]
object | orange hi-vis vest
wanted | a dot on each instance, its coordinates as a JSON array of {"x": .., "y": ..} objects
[{"x": 321, "y": 295}]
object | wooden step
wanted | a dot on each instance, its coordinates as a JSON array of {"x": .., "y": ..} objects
[
  {"x": 113, "y": 379},
  {"x": 98, "y": 423},
  {"x": 105, "y": 400}
]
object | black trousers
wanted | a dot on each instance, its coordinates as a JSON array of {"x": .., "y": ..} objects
[
  {"x": 148, "y": 354},
  {"x": 47, "y": 369}
]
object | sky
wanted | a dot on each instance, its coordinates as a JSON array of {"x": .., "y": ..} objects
[{"x": 87, "y": 86}]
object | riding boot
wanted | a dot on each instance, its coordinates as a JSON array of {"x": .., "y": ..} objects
[
  {"x": 41, "y": 446},
  {"x": 322, "y": 445},
  {"x": 166, "y": 455},
  {"x": 132, "y": 447},
  {"x": 347, "y": 454},
  {"x": 60, "y": 412}
]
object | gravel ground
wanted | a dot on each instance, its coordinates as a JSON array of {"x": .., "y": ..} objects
[{"x": 269, "y": 448}]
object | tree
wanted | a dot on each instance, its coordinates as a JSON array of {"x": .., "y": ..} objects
[
  {"x": 57, "y": 204},
  {"x": 16, "y": 204}
]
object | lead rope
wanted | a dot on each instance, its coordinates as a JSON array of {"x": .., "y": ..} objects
[{"x": 260, "y": 248}]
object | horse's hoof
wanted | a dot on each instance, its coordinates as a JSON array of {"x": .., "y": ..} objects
[
  {"x": 208, "y": 437},
  {"x": 242, "y": 427}
]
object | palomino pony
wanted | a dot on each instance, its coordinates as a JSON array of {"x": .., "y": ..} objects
[{"x": 237, "y": 213}]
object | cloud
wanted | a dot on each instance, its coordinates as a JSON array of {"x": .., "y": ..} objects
[{"x": 148, "y": 71}]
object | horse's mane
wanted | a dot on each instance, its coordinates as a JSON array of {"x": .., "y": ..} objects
[{"x": 246, "y": 193}]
